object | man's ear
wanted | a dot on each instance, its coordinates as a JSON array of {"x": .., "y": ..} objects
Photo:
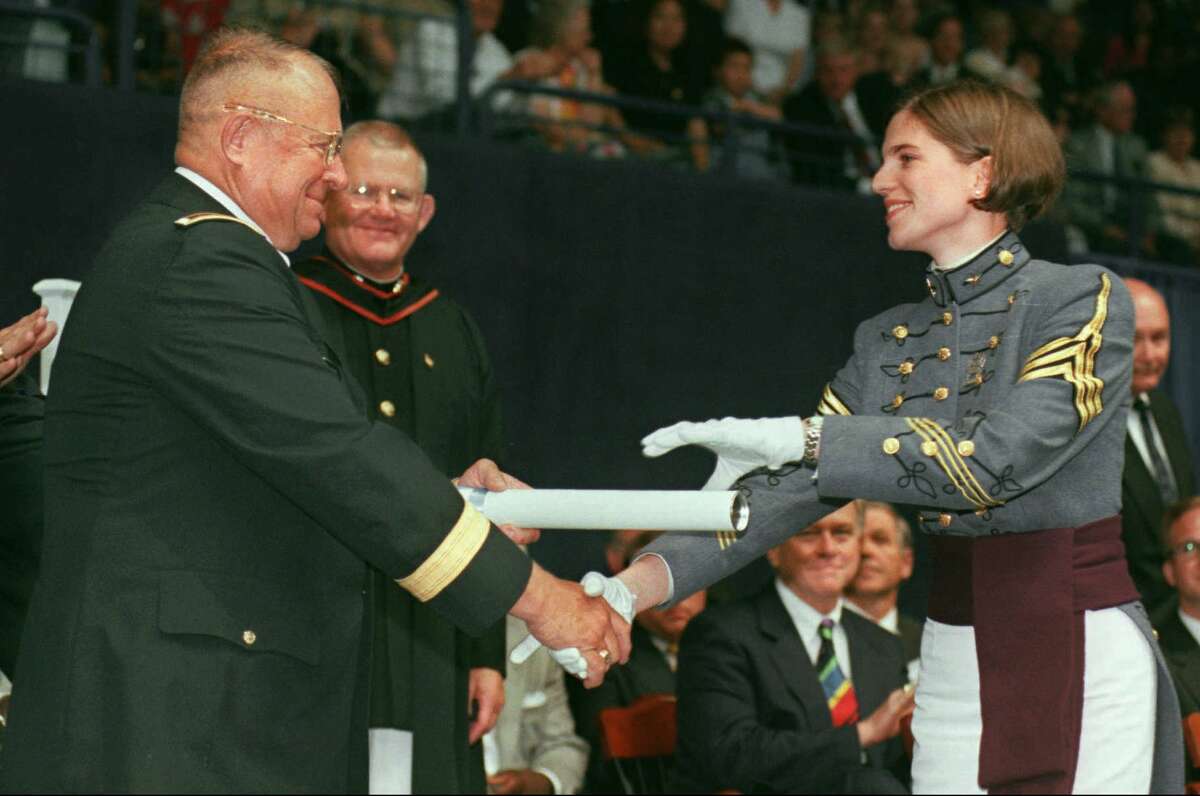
[
  {"x": 428, "y": 207},
  {"x": 1169, "y": 573},
  {"x": 906, "y": 564},
  {"x": 235, "y": 138}
]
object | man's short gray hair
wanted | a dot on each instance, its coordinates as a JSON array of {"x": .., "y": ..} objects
[
  {"x": 386, "y": 135},
  {"x": 903, "y": 529}
]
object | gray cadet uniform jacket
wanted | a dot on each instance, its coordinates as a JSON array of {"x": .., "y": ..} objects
[{"x": 997, "y": 405}]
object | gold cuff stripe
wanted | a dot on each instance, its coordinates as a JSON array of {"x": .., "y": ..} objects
[
  {"x": 946, "y": 442},
  {"x": 1074, "y": 360},
  {"x": 450, "y": 558},
  {"x": 831, "y": 405},
  {"x": 725, "y": 539},
  {"x": 937, "y": 456},
  {"x": 200, "y": 218}
]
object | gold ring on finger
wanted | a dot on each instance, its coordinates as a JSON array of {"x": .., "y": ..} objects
[{"x": 603, "y": 654}]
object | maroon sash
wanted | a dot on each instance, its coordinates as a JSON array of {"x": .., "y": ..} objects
[{"x": 1025, "y": 593}]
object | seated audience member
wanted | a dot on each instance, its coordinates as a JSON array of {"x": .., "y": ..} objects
[
  {"x": 1179, "y": 631},
  {"x": 945, "y": 53},
  {"x": 989, "y": 61},
  {"x": 903, "y": 18},
  {"x": 424, "y": 73},
  {"x": 561, "y": 35},
  {"x": 533, "y": 747},
  {"x": 872, "y": 39},
  {"x": 650, "y": 670},
  {"x": 1067, "y": 74},
  {"x": 786, "y": 692},
  {"x": 1110, "y": 213},
  {"x": 1174, "y": 165},
  {"x": 887, "y": 561},
  {"x": 733, "y": 92},
  {"x": 833, "y": 102},
  {"x": 779, "y": 32},
  {"x": 656, "y": 70}
]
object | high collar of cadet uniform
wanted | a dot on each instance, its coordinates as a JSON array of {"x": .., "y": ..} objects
[{"x": 980, "y": 274}]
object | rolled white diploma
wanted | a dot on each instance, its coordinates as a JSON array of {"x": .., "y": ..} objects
[{"x": 612, "y": 509}]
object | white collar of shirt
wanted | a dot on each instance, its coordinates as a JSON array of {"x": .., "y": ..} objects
[
  {"x": 664, "y": 646},
  {"x": 1191, "y": 623},
  {"x": 961, "y": 261},
  {"x": 223, "y": 199},
  {"x": 890, "y": 621},
  {"x": 807, "y": 621}
]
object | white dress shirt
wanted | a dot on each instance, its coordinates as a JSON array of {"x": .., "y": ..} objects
[
  {"x": 807, "y": 621},
  {"x": 1191, "y": 623},
  {"x": 425, "y": 77},
  {"x": 223, "y": 199},
  {"x": 772, "y": 36}
]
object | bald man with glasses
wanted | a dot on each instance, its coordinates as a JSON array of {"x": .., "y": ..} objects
[{"x": 218, "y": 489}]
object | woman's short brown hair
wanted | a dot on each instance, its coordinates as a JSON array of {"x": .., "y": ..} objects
[{"x": 976, "y": 120}]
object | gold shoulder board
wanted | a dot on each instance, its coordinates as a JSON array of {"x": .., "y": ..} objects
[{"x": 199, "y": 218}]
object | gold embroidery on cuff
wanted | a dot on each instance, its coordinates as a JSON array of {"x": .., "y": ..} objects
[
  {"x": 1074, "y": 360},
  {"x": 951, "y": 462},
  {"x": 956, "y": 455},
  {"x": 831, "y": 405},
  {"x": 450, "y": 558}
]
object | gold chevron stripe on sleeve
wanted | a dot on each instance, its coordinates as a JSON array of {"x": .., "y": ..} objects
[
  {"x": 451, "y": 556},
  {"x": 1074, "y": 360},
  {"x": 831, "y": 405},
  {"x": 946, "y": 444}
]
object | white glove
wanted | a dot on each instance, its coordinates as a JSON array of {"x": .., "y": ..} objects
[
  {"x": 616, "y": 593},
  {"x": 740, "y": 445}
]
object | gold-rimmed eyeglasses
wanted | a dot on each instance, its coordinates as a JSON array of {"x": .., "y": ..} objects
[
  {"x": 333, "y": 147},
  {"x": 365, "y": 194}
]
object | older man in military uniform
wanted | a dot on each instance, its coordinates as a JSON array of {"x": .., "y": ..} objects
[
  {"x": 216, "y": 487},
  {"x": 421, "y": 362}
]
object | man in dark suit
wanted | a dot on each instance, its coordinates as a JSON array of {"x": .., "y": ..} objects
[
  {"x": 1158, "y": 465},
  {"x": 853, "y": 115},
  {"x": 650, "y": 669},
  {"x": 945, "y": 53},
  {"x": 216, "y": 487},
  {"x": 887, "y": 561},
  {"x": 1179, "y": 630},
  {"x": 787, "y": 692}
]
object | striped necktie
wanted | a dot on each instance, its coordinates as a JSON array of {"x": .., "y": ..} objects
[{"x": 839, "y": 691}]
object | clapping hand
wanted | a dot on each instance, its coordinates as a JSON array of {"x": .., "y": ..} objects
[{"x": 21, "y": 341}]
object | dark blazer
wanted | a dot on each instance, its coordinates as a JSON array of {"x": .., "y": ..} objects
[
  {"x": 214, "y": 492},
  {"x": 1182, "y": 653},
  {"x": 753, "y": 717},
  {"x": 910, "y": 636},
  {"x": 1142, "y": 506},
  {"x": 820, "y": 159},
  {"x": 647, "y": 672}
]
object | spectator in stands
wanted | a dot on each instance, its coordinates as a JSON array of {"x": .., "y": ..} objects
[
  {"x": 657, "y": 70},
  {"x": 424, "y": 75},
  {"x": 848, "y": 154},
  {"x": 1179, "y": 631},
  {"x": 872, "y": 38},
  {"x": 786, "y": 692},
  {"x": 534, "y": 747},
  {"x": 734, "y": 93},
  {"x": 1174, "y": 165},
  {"x": 887, "y": 561},
  {"x": 945, "y": 52},
  {"x": 989, "y": 61},
  {"x": 1067, "y": 77},
  {"x": 1122, "y": 221},
  {"x": 651, "y": 667},
  {"x": 561, "y": 35},
  {"x": 1129, "y": 49},
  {"x": 1024, "y": 75},
  {"x": 779, "y": 32},
  {"x": 903, "y": 18}
]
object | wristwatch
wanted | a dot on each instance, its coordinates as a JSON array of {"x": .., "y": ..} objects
[{"x": 812, "y": 438}]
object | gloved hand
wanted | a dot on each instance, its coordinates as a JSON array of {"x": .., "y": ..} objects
[
  {"x": 616, "y": 593},
  {"x": 740, "y": 445}
]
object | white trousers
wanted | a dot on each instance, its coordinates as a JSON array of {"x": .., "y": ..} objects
[{"x": 1116, "y": 747}]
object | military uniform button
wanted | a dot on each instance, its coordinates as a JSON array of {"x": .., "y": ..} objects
[
  {"x": 947, "y": 318},
  {"x": 428, "y": 361},
  {"x": 906, "y": 368},
  {"x": 1006, "y": 257},
  {"x": 249, "y": 637},
  {"x": 900, "y": 332},
  {"x": 929, "y": 448},
  {"x": 897, "y": 401},
  {"x": 891, "y": 446},
  {"x": 383, "y": 357},
  {"x": 944, "y": 520},
  {"x": 943, "y": 353},
  {"x": 387, "y": 408},
  {"x": 993, "y": 341},
  {"x": 966, "y": 447},
  {"x": 941, "y": 394},
  {"x": 1012, "y": 299}
]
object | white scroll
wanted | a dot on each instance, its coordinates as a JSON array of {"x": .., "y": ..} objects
[{"x": 599, "y": 509}]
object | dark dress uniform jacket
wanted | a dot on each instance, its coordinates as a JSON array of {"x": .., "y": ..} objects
[
  {"x": 215, "y": 489},
  {"x": 423, "y": 365},
  {"x": 753, "y": 716}
]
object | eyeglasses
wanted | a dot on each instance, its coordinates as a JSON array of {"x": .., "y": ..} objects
[
  {"x": 1189, "y": 548},
  {"x": 364, "y": 195},
  {"x": 333, "y": 147}
]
